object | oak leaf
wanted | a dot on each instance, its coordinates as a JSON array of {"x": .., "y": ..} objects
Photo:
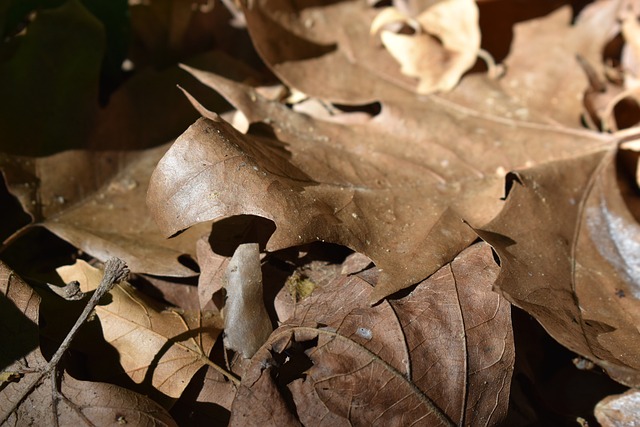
[
  {"x": 568, "y": 244},
  {"x": 394, "y": 188}
]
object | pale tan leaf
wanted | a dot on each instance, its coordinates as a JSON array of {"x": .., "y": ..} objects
[
  {"x": 161, "y": 348},
  {"x": 79, "y": 403},
  {"x": 445, "y": 44}
]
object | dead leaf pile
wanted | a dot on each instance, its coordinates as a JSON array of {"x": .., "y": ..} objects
[{"x": 303, "y": 221}]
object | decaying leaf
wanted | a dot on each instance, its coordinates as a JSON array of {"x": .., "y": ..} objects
[
  {"x": 442, "y": 354},
  {"x": 95, "y": 200},
  {"x": 74, "y": 402},
  {"x": 246, "y": 323},
  {"x": 568, "y": 245},
  {"x": 619, "y": 411},
  {"x": 161, "y": 347},
  {"x": 393, "y": 188}
]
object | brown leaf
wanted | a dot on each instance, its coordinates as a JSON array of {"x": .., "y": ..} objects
[
  {"x": 444, "y": 353},
  {"x": 212, "y": 271},
  {"x": 620, "y": 410},
  {"x": 306, "y": 44},
  {"x": 568, "y": 246},
  {"x": 543, "y": 72},
  {"x": 95, "y": 200},
  {"x": 394, "y": 188},
  {"x": 78, "y": 402},
  {"x": 161, "y": 348}
]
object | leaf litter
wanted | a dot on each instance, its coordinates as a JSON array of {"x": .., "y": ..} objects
[{"x": 380, "y": 136}]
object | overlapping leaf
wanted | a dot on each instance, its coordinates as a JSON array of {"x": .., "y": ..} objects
[
  {"x": 163, "y": 348},
  {"x": 568, "y": 243},
  {"x": 78, "y": 402},
  {"x": 395, "y": 188},
  {"x": 536, "y": 55},
  {"x": 95, "y": 200},
  {"x": 442, "y": 354}
]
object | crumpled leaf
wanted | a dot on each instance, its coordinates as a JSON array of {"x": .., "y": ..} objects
[
  {"x": 81, "y": 402},
  {"x": 373, "y": 187},
  {"x": 442, "y": 354},
  {"x": 161, "y": 348},
  {"x": 620, "y": 410},
  {"x": 543, "y": 72},
  {"x": 246, "y": 322},
  {"x": 443, "y": 47},
  {"x": 568, "y": 244},
  {"x": 95, "y": 200}
]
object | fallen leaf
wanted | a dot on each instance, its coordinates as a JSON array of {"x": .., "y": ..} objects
[
  {"x": 212, "y": 271},
  {"x": 443, "y": 354},
  {"x": 444, "y": 45},
  {"x": 77, "y": 402},
  {"x": 95, "y": 200},
  {"x": 246, "y": 323},
  {"x": 372, "y": 187},
  {"x": 306, "y": 45},
  {"x": 619, "y": 410},
  {"x": 160, "y": 348},
  {"x": 568, "y": 247},
  {"x": 543, "y": 73}
]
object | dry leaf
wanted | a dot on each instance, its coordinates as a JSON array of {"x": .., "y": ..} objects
[
  {"x": 543, "y": 72},
  {"x": 161, "y": 348},
  {"x": 326, "y": 50},
  {"x": 79, "y": 402},
  {"x": 568, "y": 246},
  {"x": 373, "y": 187},
  {"x": 246, "y": 322},
  {"x": 212, "y": 271},
  {"x": 619, "y": 411},
  {"x": 443, "y": 353},
  {"x": 95, "y": 200},
  {"x": 445, "y": 43}
]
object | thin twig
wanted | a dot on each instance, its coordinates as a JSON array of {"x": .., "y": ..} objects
[{"x": 115, "y": 272}]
